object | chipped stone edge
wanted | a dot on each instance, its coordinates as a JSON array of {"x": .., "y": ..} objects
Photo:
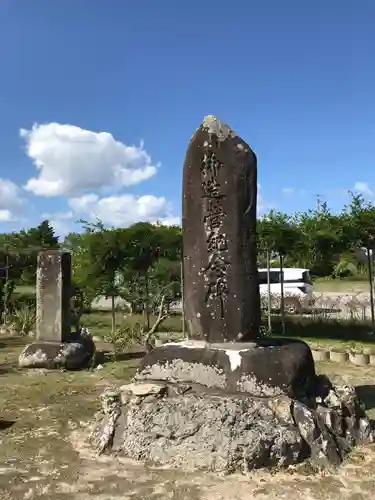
[
  {"x": 234, "y": 355},
  {"x": 216, "y": 127},
  {"x": 357, "y": 359}
]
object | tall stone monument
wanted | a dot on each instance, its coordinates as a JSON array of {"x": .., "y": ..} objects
[
  {"x": 221, "y": 291},
  {"x": 226, "y": 399},
  {"x": 221, "y": 288},
  {"x": 56, "y": 346}
]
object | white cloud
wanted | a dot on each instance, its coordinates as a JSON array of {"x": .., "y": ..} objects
[
  {"x": 61, "y": 222},
  {"x": 10, "y": 200},
  {"x": 61, "y": 228},
  {"x": 71, "y": 160},
  {"x": 6, "y": 216},
  {"x": 363, "y": 188},
  {"x": 123, "y": 210},
  {"x": 58, "y": 215},
  {"x": 170, "y": 221},
  {"x": 288, "y": 190}
]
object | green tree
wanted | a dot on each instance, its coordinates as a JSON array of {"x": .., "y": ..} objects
[
  {"x": 145, "y": 244},
  {"x": 165, "y": 281},
  {"x": 324, "y": 237},
  {"x": 278, "y": 234},
  {"x": 98, "y": 260},
  {"x": 26, "y": 245},
  {"x": 360, "y": 229}
]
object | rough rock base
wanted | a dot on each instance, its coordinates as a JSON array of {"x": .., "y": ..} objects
[
  {"x": 193, "y": 427},
  {"x": 68, "y": 355}
]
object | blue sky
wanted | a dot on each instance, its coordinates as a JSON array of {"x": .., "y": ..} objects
[{"x": 98, "y": 100}]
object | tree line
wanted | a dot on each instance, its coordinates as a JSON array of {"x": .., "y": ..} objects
[
  {"x": 329, "y": 244},
  {"x": 142, "y": 263}
]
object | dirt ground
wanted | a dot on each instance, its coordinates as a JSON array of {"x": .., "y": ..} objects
[{"x": 43, "y": 452}]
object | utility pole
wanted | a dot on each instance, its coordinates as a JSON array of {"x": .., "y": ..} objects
[
  {"x": 4, "y": 278},
  {"x": 269, "y": 293},
  {"x": 6, "y": 285},
  {"x": 370, "y": 277}
]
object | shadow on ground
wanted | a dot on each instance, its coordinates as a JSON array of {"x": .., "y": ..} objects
[
  {"x": 5, "y": 424},
  {"x": 7, "y": 369},
  {"x": 127, "y": 356},
  {"x": 366, "y": 394},
  {"x": 106, "y": 356}
]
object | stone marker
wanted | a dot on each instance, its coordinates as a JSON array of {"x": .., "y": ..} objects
[
  {"x": 225, "y": 399},
  {"x": 53, "y": 290},
  {"x": 221, "y": 292},
  {"x": 221, "y": 288},
  {"x": 56, "y": 346}
]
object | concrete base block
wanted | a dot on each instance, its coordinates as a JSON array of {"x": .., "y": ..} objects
[{"x": 266, "y": 368}]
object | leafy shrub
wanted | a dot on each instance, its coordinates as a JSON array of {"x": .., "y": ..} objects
[
  {"x": 20, "y": 300},
  {"x": 23, "y": 320},
  {"x": 126, "y": 336}
]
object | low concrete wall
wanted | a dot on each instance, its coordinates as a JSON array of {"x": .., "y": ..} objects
[{"x": 356, "y": 358}]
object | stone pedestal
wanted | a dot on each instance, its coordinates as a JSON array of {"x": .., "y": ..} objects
[
  {"x": 56, "y": 346},
  {"x": 71, "y": 355},
  {"x": 266, "y": 368}
]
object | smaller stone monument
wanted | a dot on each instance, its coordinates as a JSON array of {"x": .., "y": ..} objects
[{"x": 55, "y": 346}]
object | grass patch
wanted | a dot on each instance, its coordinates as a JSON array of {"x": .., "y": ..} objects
[
  {"x": 340, "y": 285},
  {"x": 99, "y": 322},
  {"x": 333, "y": 330},
  {"x": 38, "y": 411},
  {"x": 40, "y": 456},
  {"x": 341, "y": 334}
]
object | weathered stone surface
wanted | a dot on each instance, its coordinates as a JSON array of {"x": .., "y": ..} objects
[
  {"x": 270, "y": 367},
  {"x": 343, "y": 414},
  {"x": 197, "y": 428},
  {"x": 69, "y": 355},
  {"x": 53, "y": 296},
  {"x": 221, "y": 293},
  {"x": 212, "y": 432},
  {"x": 322, "y": 443},
  {"x": 143, "y": 390}
]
